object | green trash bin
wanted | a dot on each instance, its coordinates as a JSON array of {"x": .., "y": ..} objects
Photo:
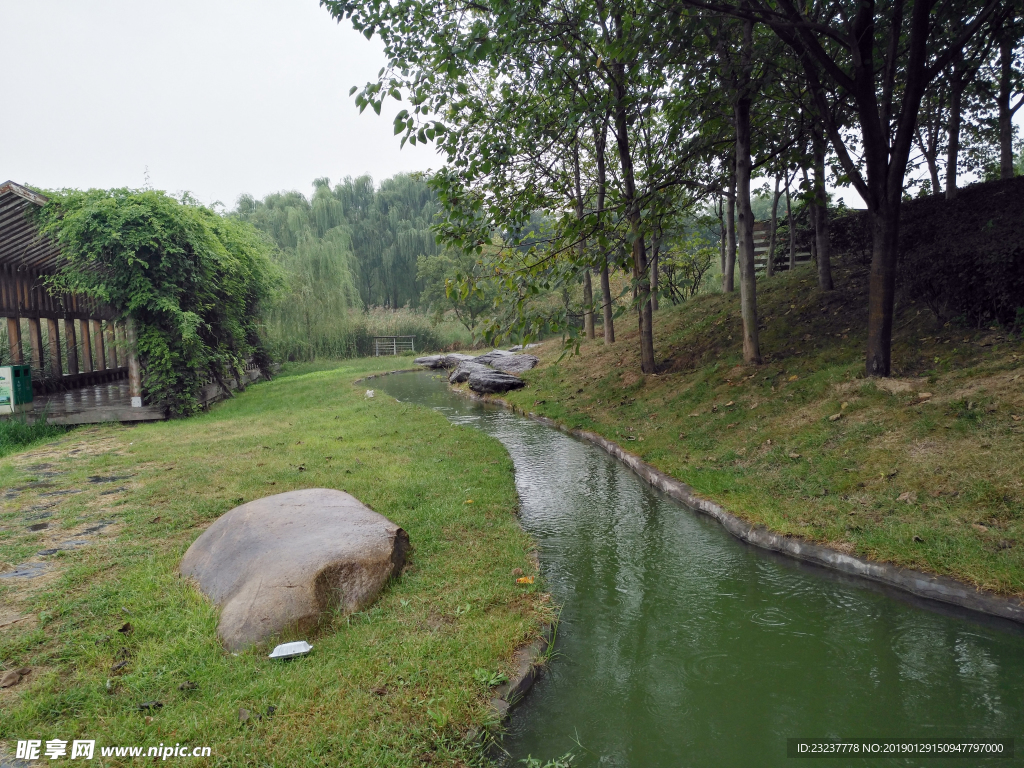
[{"x": 15, "y": 388}]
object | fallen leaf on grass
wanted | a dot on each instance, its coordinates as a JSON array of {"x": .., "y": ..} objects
[
  {"x": 794, "y": 455},
  {"x": 792, "y": 378},
  {"x": 910, "y": 497},
  {"x": 524, "y": 580},
  {"x": 836, "y": 416},
  {"x": 979, "y": 527}
]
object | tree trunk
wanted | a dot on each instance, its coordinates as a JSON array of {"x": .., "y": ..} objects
[
  {"x": 642, "y": 276},
  {"x": 588, "y": 305},
  {"x": 933, "y": 171},
  {"x": 655, "y": 252},
  {"x": 1005, "y": 112},
  {"x": 885, "y": 223},
  {"x": 588, "y": 291},
  {"x": 769, "y": 267},
  {"x": 812, "y": 217},
  {"x": 748, "y": 283},
  {"x": 821, "y": 215},
  {"x": 600, "y": 142},
  {"x": 606, "y": 298},
  {"x": 792, "y": 231},
  {"x": 641, "y": 273},
  {"x": 730, "y": 235},
  {"x": 720, "y": 210},
  {"x": 956, "y": 90}
]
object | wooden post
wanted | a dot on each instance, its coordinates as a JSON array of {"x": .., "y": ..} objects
[
  {"x": 111, "y": 346},
  {"x": 72, "y": 341},
  {"x": 134, "y": 370},
  {"x": 35, "y": 340},
  {"x": 56, "y": 367},
  {"x": 14, "y": 337},
  {"x": 99, "y": 360},
  {"x": 86, "y": 347}
]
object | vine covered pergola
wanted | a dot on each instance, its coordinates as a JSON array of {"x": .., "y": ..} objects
[{"x": 84, "y": 366}]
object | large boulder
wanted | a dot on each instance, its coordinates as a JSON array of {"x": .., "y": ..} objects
[
  {"x": 493, "y": 382},
  {"x": 464, "y": 370},
  {"x": 489, "y": 357},
  {"x": 280, "y": 562},
  {"x": 430, "y": 361},
  {"x": 514, "y": 364},
  {"x": 453, "y": 360}
]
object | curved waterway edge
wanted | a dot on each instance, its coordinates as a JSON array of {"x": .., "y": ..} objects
[{"x": 942, "y": 589}]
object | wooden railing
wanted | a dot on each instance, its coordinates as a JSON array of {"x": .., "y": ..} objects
[{"x": 92, "y": 349}]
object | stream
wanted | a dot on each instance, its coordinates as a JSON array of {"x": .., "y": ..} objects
[{"x": 679, "y": 645}]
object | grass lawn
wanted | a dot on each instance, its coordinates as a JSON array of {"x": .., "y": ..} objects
[
  {"x": 925, "y": 469},
  {"x": 399, "y": 684}
]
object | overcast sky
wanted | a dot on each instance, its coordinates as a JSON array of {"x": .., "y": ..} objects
[{"x": 217, "y": 97}]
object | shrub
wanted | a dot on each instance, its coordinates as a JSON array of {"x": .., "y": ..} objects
[{"x": 350, "y": 334}]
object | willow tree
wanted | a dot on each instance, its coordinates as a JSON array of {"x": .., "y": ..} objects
[{"x": 316, "y": 259}]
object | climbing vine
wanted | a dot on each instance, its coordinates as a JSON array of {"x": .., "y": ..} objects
[{"x": 194, "y": 283}]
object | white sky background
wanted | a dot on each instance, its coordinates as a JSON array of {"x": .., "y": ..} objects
[{"x": 217, "y": 97}]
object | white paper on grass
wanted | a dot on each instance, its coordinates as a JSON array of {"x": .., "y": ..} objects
[{"x": 290, "y": 650}]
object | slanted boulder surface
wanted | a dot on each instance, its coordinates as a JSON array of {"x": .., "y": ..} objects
[
  {"x": 281, "y": 561},
  {"x": 489, "y": 357},
  {"x": 489, "y": 381},
  {"x": 514, "y": 364},
  {"x": 464, "y": 370},
  {"x": 430, "y": 361},
  {"x": 454, "y": 359}
]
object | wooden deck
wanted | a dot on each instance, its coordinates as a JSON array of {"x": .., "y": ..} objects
[{"x": 91, "y": 405}]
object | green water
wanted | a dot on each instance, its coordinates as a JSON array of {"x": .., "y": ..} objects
[{"x": 680, "y": 646}]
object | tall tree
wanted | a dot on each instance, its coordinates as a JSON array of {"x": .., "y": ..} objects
[{"x": 874, "y": 59}]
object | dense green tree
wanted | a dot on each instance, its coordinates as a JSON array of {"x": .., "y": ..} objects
[{"x": 460, "y": 282}]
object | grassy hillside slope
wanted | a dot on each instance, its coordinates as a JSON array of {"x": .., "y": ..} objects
[
  {"x": 397, "y": 684},
  {"x": 925, "y": 469}
]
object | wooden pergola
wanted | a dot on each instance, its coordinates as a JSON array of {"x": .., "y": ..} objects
[{"x": 87, "y": 373}]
